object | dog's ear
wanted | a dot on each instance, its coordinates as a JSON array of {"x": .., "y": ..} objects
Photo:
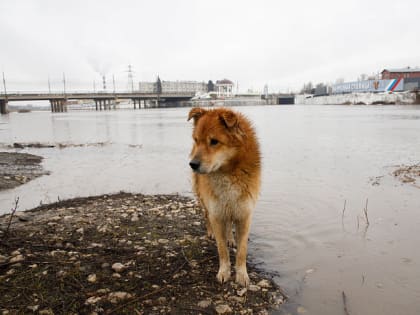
[
  {"x": 229, "y": 119},
  {"x": 196, "y": 113}
]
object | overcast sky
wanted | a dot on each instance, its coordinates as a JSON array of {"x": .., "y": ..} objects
[{"x": 280, "y": 43}]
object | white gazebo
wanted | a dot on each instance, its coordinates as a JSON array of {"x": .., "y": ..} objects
[{"x": 224, "y": 88}]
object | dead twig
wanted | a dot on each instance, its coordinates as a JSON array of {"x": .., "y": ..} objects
[
  {"x": 6, "y": 232},
  {"x": 342, "y": 215},
  {"x": 365, "y": 210},
  {"x": 346, "y": 311},
  {"x": 183, "y": 254},
  {"x": 344, "y": 208}
]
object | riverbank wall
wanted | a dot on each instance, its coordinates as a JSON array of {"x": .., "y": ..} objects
[{"x": 360, "y": 99}]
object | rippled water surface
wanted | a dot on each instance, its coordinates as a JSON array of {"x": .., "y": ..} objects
[{"x": 315, "y": 160}]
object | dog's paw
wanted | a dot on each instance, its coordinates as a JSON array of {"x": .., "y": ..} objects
[
  {"x": 242, "y": 278},
  {"x": 210, "y": 235},
  {"x": 223, "y": 275}
]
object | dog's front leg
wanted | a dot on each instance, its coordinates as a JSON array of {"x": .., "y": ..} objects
[
  {"x": 219, "y": 230},
  {"x": 242, "y": 232}
]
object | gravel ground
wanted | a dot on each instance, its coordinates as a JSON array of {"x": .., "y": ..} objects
[{"x": 120, "y": 254}]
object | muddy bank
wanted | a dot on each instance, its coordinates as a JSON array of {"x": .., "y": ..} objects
[
  {"x": 19, "y": 168},
  {"x": 407, "y": 173},
  {"x": 59, "y": 145},
  {"x": 120, "y": 254}
]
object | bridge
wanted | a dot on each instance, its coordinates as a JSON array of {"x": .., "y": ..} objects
[{"x": 103, "y": 100}]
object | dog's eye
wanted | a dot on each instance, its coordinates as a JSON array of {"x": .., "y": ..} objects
[
  {"x": 214, "y": 141},
  {"x": 195, "y": 140}
]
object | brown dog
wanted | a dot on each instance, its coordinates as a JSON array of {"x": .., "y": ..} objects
[{"x": 227, "y": 172}]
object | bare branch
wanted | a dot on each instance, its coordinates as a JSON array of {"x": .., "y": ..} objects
[{"x": 13, "y": 211}]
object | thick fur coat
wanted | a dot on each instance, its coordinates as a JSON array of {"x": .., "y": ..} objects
[{"x": 225, "y": 160}]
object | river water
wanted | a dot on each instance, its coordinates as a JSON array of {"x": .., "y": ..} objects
[{"x": 316, "y": 159}]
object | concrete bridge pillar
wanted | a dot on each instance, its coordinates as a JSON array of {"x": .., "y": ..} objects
[
  {"x": 52, "y": 103},
  {"x": 63, "y": 106},
  {"x": 3, "y": 107}
]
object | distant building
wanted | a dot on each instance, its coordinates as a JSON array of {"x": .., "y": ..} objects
[
  {"x": 389, "y": 85},
  {"x": 404, "y": 73},
  {"x": 174, "y": 86},
  {"x": 147, "y": 87},
  {"x": 224, "y": 88}
]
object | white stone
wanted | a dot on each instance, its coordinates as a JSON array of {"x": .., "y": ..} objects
[
  {"x": 17, "y": 259},
  {"x": 15, "y": 253},
  {"x": 204, "y": 303},
  {"x": 118, "y": 267},
  {"x": 223, "y": 309},
  {"x": 253, "y": 288},
  {"x": 115, "y": 297},
  {"x": 93, "y": 300},
  {"x": 264, "y": 284},
  {"x": 92, "y": 278}
]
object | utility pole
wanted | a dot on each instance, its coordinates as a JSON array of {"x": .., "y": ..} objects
[
  {"x": 4, "y": 86},
  {"x": 113, "y": 82},
  {"x": 64, "y": 83},
  {"x": 94, "y": 86}
]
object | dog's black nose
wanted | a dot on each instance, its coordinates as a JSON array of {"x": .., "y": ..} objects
[{"x": 195, "y": 164}]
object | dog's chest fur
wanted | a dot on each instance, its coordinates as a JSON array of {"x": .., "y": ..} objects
[{"x": 228, "y": 198}]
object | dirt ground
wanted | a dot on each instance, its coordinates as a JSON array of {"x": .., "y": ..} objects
[
  {"x": 19, "y": 168},
  {"x": 120, "y": 254}
]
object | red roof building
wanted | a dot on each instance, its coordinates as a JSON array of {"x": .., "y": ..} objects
[{"x": 405, "y": 73}]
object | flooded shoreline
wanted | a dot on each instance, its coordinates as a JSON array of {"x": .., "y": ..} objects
[{"x": 315, "y": 159}]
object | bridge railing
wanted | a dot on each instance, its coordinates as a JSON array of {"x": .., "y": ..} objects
[{"x": 20, "y": 92}]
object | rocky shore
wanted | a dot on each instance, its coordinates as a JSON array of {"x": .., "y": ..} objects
[
  {"x": 120, "y": 254},
  {"x": 19, "y": 168}
]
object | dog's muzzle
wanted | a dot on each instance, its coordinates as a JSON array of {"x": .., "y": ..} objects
[{"x": 195, "y": 165}]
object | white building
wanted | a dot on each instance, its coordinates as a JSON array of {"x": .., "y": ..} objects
[{"x": 224, "y": 88}]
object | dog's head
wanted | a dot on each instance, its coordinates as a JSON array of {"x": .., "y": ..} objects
[{"x": 217, "y": 137}]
